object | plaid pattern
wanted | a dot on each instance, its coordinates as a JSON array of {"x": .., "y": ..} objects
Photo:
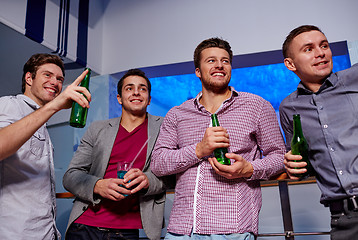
[{"x": 205, "y": 201}]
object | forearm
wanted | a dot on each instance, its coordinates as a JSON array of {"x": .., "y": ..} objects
[
  {"x": 271, "y": 143},
  {"x": 267, "y": 167},
  {"x": 172, "y": 161},
  {"x": 13, "y": 136},
  {"x": 80, "y": 184}
]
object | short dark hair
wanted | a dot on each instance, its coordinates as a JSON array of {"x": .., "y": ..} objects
[
  {"x": 209, "y": 43},
  {"x": 37, "y": 60},
  {"x": 294, "y": 33},
  {"x": 133, "y": 72}
]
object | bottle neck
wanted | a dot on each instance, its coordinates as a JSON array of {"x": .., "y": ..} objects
[
  {"x": 214, "y": 120},
  {"x": 297, "y": 128}
]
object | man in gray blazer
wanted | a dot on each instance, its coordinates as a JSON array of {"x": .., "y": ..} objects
[{"x": 106, "y": 205}]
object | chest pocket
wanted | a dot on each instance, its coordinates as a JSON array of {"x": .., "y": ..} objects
[{"x": 37, "y": 143}]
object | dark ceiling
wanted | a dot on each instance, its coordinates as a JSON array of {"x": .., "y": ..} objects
[{"x": 15, "y": 50}]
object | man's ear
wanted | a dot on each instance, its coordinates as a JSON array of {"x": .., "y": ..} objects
[
  {"x": 28, "y": 78},
  {"x": 198, "y": 73},
  {"x": 119, "y": 99},
  {"x": 289, "y": 64}
]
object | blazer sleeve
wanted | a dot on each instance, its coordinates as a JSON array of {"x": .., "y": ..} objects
[{"x": 78, "y": 178}]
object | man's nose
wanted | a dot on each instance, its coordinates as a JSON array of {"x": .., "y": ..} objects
[
  {"x": 136, "y": 91},
  {"x": 319, "y": 52},
  {"x": 219, "y": 64}
]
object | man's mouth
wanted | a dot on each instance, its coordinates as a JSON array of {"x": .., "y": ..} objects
[
  {"x": 51, "y": 90},
  {"x": 218, "y": 74},
  {"x": 321, "y": 63}
]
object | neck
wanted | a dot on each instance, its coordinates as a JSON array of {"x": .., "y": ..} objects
[
  {"x": 130, "y": 122},
  {"x": 28, "y": 94},
  {"x": 212, "y": 100},
  {"x": 314, "y": 87}
]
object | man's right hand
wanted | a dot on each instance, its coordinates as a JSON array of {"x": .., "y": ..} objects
[
  {"x": 293, "y": 165},
  {"x": 109, "y": 188},
  {"x": 73, "y": 92},
  {"x": 214, "y": 137}
]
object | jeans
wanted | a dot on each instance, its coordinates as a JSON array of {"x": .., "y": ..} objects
[
  {"x": 344, "y": 226},
  {"x": 195, "y": 236},
  {"x": 83, "y": 232}
]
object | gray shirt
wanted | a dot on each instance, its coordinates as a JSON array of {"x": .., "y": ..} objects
[
  {"x": 330, "y": 124},
  {"x": 27, "y": 187}
]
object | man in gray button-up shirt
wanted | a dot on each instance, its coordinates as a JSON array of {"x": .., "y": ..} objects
[
  {"x": 328, "y": 105},
  {"x": 27, "y": 188}
]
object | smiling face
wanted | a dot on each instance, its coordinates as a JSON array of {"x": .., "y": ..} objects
[
  {"x": 310, "y": 58},
  {"x": 46, "y": 85},
  {"x": 135, "y": 96},
  {"x": 215, "y": 69}
]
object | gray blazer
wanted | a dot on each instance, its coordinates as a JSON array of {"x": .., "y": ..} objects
[{"x": 89, "y": 164}]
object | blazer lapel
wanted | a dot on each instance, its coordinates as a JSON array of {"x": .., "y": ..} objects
[
  {"x": 153, "y": 131},
  {"x": 108, "y": 139}
]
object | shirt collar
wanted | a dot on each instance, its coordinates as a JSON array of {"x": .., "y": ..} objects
[
  {"x": 28, "y": 101},
  {"x": 328, "y": 82},
  {"x": 234, "y": 94}
]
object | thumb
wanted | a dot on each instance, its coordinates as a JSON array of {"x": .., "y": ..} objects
[{"x": 234, "y": 157}]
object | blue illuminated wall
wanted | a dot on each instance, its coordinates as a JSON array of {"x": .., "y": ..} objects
[{"x": 263, "y": 74}]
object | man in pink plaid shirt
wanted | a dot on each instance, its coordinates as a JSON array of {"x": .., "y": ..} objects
[{"x": 214, "y": 201}]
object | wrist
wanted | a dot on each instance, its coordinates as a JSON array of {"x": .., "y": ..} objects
[{"x": 198, "y": 151}]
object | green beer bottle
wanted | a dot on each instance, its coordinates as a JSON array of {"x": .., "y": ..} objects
[
  {"x": 299, "y": 146},
  {"x": 78, "y": 113},
  {"x": 219, "y": 153}
]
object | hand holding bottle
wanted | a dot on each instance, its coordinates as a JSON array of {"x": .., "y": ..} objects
[
  {"x": 299, "y": 146},
  {"x": 294, "y": 165},
  {"x": 79, "y": 113},
  {"x": 72, "y": 93},
  {"x": 220, "y": 152},
  {"x": 239, "y": 169},
  {"x": 215, "y": 137}
]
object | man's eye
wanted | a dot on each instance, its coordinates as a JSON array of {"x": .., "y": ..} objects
[{"x": 308, "y": 49}]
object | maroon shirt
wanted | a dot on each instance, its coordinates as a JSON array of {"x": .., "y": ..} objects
[{"x": 122, "y": 214}]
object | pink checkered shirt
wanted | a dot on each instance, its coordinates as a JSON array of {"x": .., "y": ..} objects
[{"x": 204, "y": 201}]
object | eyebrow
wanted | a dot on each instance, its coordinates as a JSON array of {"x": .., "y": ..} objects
[
  {"x": 310, "y": 44},
  {"x": 132, "y": 84},
  {"x": 60, "y": 77},
  {"x": 228, "y": 58}
]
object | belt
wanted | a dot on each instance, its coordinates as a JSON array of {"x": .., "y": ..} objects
[
  {"x": 337, "y": 206},
  {"x": 115, "y": 230}
]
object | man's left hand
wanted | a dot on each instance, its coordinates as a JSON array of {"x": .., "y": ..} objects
[
  {"x": 135, "y": 177},
  {"x": 239, "y": 169}
]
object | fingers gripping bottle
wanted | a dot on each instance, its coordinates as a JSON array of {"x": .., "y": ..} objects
[
  {"x": 219, "y": 153},
  {"x": 299, "y": 146},
  {"x": 78, "y": 113}
]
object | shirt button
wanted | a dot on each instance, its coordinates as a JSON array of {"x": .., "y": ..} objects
[
  {"x": 340, "y": 172},
  {"x": 320, "y": 107},
  {"x": 332, "y": 149},
  {"x": 325, "y": 126}
]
